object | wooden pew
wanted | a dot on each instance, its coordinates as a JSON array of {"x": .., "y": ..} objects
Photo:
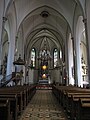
[
  {"x": 74, "y": 104},
  {"x": 23, "y": 93},
  {"x": 27, "y": 93},
  {"x": 68, "y": 101},
  {"x": 83, "y": 111},
  {"x": 13, "y": 104},
  {"x": 60, "y": 92},
  {"x": 68, "y": 96},
  {"x": 5, "y": 110},
  {"x": 19, "y": 97},
  {"x": 31, "y": 92}
]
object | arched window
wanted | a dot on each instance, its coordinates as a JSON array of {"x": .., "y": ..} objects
[
  {"x": 33, "y": 55},
  {"x": 55, "y": 57},
  {"x": 60, "y": 54}
]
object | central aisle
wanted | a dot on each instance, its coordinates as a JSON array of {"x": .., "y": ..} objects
[{"x": 43, "y": 106}]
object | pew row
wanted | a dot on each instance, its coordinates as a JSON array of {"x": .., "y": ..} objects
[
  {"x": 5, "y": 109},
  {"x": 83, "y": 109},
  {"x": 69, "y": 98},
  {"x": 18, "y": 97}
]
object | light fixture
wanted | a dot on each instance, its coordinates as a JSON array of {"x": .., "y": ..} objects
[
  {"x": 44, "y": 67},
  {"x": 44, "y": 76}
]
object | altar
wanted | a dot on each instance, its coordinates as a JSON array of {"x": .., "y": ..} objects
[{"x": 43, "y": 84}]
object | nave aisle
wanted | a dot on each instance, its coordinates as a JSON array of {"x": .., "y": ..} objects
[{"x": 43, "y": 106}]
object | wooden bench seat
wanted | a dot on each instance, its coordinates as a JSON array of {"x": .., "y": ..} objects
[
  {"x": 70, "y": 103},
  {"x": 21, "y": 91},
  {"x": 18, "y": 96},
  {"x": 74, "y": 104},
  {"x": 13, "y": 104},
  {"x": 5, "y": 110},
  {"x": 83, "y": 111},
  {"x": 69, "y": 97}
]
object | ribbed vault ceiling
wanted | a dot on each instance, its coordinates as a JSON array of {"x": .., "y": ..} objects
[{"x": 52, "y": 27}]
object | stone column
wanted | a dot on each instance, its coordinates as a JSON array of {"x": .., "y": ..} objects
[
  {"x": 74, "y": 63},
  {"x": 67, "y": 62},
  {"x": 10, "y": 66},
  {"x": 2, "y": 31},
  {"x": 87, "y": 29},
  {"x": 1, "y": 26}
]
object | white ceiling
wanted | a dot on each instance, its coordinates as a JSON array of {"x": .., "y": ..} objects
[{"x": 35, "y": 27}]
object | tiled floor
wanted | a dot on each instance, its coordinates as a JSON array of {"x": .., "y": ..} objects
[{"x": 43, "y": 106}]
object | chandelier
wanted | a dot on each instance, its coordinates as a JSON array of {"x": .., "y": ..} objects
[{"x": 44, "y": 67}]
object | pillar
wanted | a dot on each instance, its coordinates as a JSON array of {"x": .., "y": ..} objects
[
  {"x": 87, "y": 29},
  {"x": 10, "y": 66},
  {"x": 74, "y": 63}
]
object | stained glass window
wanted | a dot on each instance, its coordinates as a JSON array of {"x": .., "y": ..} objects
[
  {"x": 60, "y": 54},
  {"x": 33, "y": 54},
  {"x": 55, "y": 57}
]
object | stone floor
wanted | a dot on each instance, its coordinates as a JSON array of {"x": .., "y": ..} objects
[{"x": 43, "y": 106}]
